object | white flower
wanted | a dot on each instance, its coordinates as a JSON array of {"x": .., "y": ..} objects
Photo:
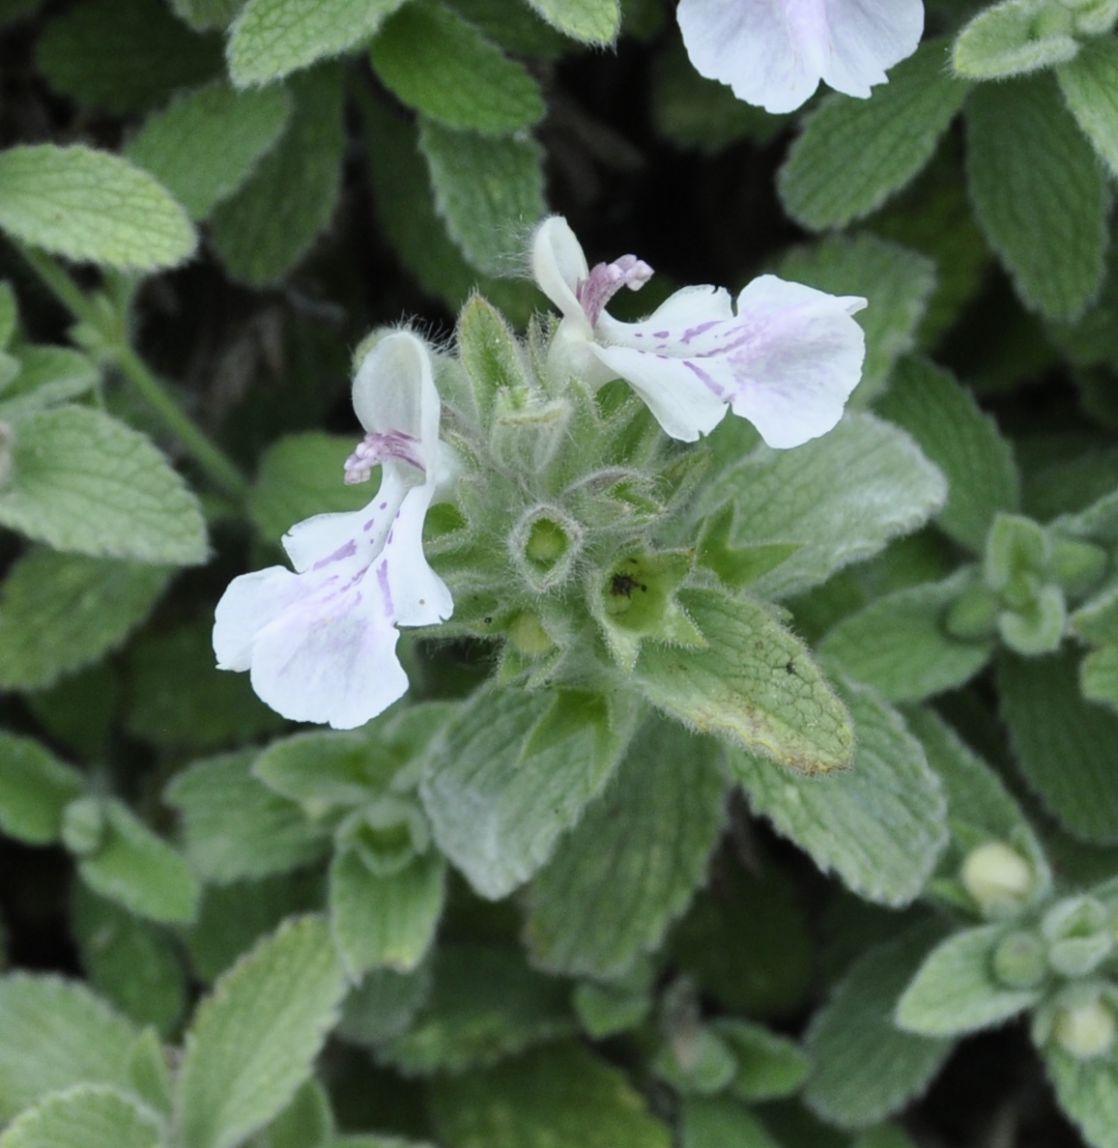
[
  {"x": 773, "y": 53},
  {"x": 320, "y": 643},
  {"x": 786, "y": 361}
]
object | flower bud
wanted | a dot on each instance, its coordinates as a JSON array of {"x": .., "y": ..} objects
[
  {"x": 1080, "y": 937},
  {"x": 1085, "y": 1028},
  {"x": 1020, "y": 960},
  {"x": 529, "y": 637},
  {"x": 83, "y": 826},
  {"x": 998, "y": 878},
  {"x": 388, "y": 834},
  {"x": 1093, "y": 17},
  {"x": 543, "y": 547}
]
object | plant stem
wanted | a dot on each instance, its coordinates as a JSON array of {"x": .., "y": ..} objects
[{"x": 221, "y": 470}]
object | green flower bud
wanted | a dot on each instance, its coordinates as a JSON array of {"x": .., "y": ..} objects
[
  {"x": 1020, "y": 960},
  {"x": 529, "y": 637},
  {"x": 998, "y": 878},
  {"x": 1093, "y": 17},
  {"x": 1080, "y": 936},
  {"x": 387, "y": 834},
  {"x": 84, "y": 826},
  {"x": 543, "y": 547},
  {"x": 1085, "y": 1028}
]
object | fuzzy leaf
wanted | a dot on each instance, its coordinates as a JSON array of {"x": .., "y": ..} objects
[
  {"x": 852, "y": 155},
  {"x": 235, "y": 827},
  {"x": 1039, "y": 193},
  {"x": 489, "y": 192},
  {"x": 898, "y": 644},
  {"x": 1062, "y": 743},
  {"x": 60, "y": 612},
  {"x": 273, "y": 38},
  {"x": 85, "y": 482},
  {"x": 55, "y": 1034},
  {"x": 841, "y": 498},
  {"x": 486, "y": 1004},
  {"x": 954, "y": 991},
  {"x": 864, "y": 1066},
  {"x": 91, "y": 206},
  {"x": 591, "y": 21},
  {"x": 35, "y": 788},
  {"x": 267, "y": 228},
  {"x": 511, "y": 773},
  {"x": 384, "y": 921},
  {"x": 1090, "y": 87},
  {"x": 47, "y": 377},
  {"x": 1098, "y": 676},
  {"x": 1087, "y": 1090},
  {"x": 1002, "y": 41},
  {"x": 768, "y": 1066},
  {"x": 139, "y": 870},
  {"x": 879, "y": 825},
  {"x": 964, "y": 443},
  {"x": 752, "y": 685},
  {"x": 559, "y": 1097},
  {"x": 898, "y": 282},
  {"x": 253, "y": 1039},
  {"x": 88, "y": 1116},
  {"x": 633, "y": 862},
  {"x": 439, "y": 63},
  {"x": 207, "y": 143},
  {"x": 719, "y": 1122}
]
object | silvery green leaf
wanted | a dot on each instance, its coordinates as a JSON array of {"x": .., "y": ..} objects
[
  {"x": 1003, "y": 41},
  {"x": 634, "y": 860},
  {"x": 878, "y": 825},
  {"x": 86, "y": 1116},
  {"x": 1089, "y": 83},
  {"x": 590, "y": 21},
  {"x": 865, "y": 1068},
  {"x": 512, "y": 772},
  {"x": 955, "y": 992},
  {"x": 252, "y": 1041},
  {"x": 1087, "y": 1090},
  {"x": 35, "y": 788}
]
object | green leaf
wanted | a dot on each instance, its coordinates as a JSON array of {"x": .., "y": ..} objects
[
  {"x": 60, "y": 612},
  {"x": 1098, "y": 676},
  {"x": 178, "y": 698},
  {"x": 841, "y": 497},
  {"x": 879, "y": 825},
  {"x": 955, "y": 992},
  {"x": 512, "y": 772},
  {"x": 899, "y": 645},
  {"x": 134, "y": 965},
  {"x": 962, "y": 441},
  {"x": 85, "y": 482},
  {"x": 1005, "y": 41},
  {"x": 516, "y": 27},
  {"x": 633, "y": 862},
  {"x": 897, "y": 282},
  {"x": 207, "y": 143},
  {"x": 47, "y": 377},
  {"x": 299, "y": 476},
  {"x": 591, "y": 21},
  {"x": 384, "y": 921},
  {"x": 1039, "y": 194},
  {"x": 768, "y": 1066},
  {"x": 254, "y": 1038},
  {"x": 267, "y": 228},
  {"x": 384, "y": 1005},
  {"x": 307, "y": 1122},
  {"x": 439, "y": 63},
  {"x": 1062, "y": 743},
  {"x": 486, "y": 1004},
  {"x": 273, "y": 38},
  {"x": 235, "y": 827},
  {"x": 753, "y": 685},
  {"x": 35, "y": 788},
  {"x": 139, "y": 870},
  {"x": 123, "y": 56},
  {"x": 864, "y": 1066},
  {"x": 560, "y": 1097},
  {"x": 852, "y": 155},
  {"x": 489, "y": 192},
  {"x": 204, "y": 15},
  {"x": 88, "y": 1116},
  {"x": 1090, "y": 87},
  {"x": 1087, "y": 1090},
  {"x": 55, "y": 1034},
  {"x": 719, "y": 1122},
  {"x": 91, "y": 206}
]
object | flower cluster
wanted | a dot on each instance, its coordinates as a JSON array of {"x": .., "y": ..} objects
[{"x": 320, "y": 642}]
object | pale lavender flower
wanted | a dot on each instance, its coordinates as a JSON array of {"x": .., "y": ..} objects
[
  {"x": 787, "y": 360},
  {"x": 320, "y": 643},
  {"x": 774, "y": 53}
]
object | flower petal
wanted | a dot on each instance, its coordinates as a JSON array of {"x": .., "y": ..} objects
[
  {"x": 331, "y": 661},
  {"x": 770, "y": 52},
  {"x": 414, "y": 595},
  {"x": 559, "y": 266},
  {"x": 799, "y": 358},
  {"x": 868, "y": 37},
  {"x": 249, "y": 603}
]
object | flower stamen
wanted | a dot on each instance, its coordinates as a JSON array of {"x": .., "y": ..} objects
[
  {"x": 606, "y": 279},
  {"x": 374, "y": 448}
]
